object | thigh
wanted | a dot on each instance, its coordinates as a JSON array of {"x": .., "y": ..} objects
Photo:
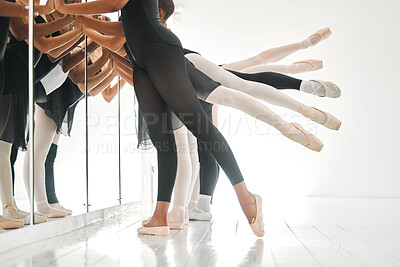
[
  {"x": 154, "y": 109},
  {"x": 215, "y": 72},
  {"x": 45, "y": 130},
  {"x": 166, "y": 69}
]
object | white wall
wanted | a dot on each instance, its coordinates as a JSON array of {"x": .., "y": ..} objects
[{"x": 361, "y": 56}]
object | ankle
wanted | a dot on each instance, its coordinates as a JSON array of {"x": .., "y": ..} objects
[{"x": 8, "y": 205}]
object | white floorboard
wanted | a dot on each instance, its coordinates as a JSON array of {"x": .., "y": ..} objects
[{"x": 326, "y": 232}]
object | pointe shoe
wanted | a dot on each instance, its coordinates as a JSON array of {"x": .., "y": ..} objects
[
  {"x": 6, "y": 223},
  {"x": 54, "y": 213},
  {"x": 158, "y": 231},
  {"x": 331, "y": 89},
  {"x": 313, "y": 142},
  {"x": 176, "y": 219},
  {"x": 257, "y": 225},
  {"x": 199, "y": 215},
  {"x": 59, "y": 207},
  {"x": 315, "y": 64},
  {"x": 49, "y": 211},
  {"x": 323, "y": 33},
  {"x": 13, "y": 213},
  {"x": 330, "y": 122}
]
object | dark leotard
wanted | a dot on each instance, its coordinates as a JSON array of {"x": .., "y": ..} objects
[
  {"x": 142, "y": 27},
  {"x": 4, "y": 27},
  {"x": 4, "y": 105},
  {"x": 16, "y": 93}
]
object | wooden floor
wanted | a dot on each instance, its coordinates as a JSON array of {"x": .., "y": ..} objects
[{"x": 315, "y": 232}]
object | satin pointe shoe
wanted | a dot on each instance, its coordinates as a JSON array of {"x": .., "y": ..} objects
[
  {"x": 257, "y": 225},
  {"x": 323, "y": 34},
  {"x": 54, "y": 213},
  {"x": 59, "y": 207},
  {"x": 174, "y": 223},
  {"x": 6, "y": 223},
  {"x": 315, "y": 64},
  {"x": 13, "y": 213},
  {"x": 331, "y": 89},
  {"x": 157, "y": 231},
  {"x": 330, "y": 122},
  {"x": 313, "y": 142}
]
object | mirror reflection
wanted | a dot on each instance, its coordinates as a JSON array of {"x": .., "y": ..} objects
[{"x": 60, "y": 79}]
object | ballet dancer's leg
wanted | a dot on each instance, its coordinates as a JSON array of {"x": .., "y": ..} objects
[
  {"x": 275, "y": 54},
  {"x": 12, "y": 211},
  {"x": 194, "y": 157},
  {"x": 297, "y": 67},
  {"x": 164, "y": 61},
  {"x": 248, "y": 104},
  {"x": 196, "y": 188},
  {"x": 49, "y": 174},
  {"x": 187, "y": 170},
  {"x": 154, "y": 111},
  {"x": 281, "y": 81},
  {"x": 257, "y": 90},
  {"x": 6, "y": 187},
  {"x": 49, "y": 177},
  {"x": 207, "y": 180},
  {"x": 176, "y": 217},
  {"x": 45, "y": 130}
]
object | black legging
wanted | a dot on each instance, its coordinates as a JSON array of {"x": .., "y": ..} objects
[
  {"x": 277, "y": 80},
  {"x": 209, "y": 169},
  {"x": 13, "y": 159},
  {"x": 166, "y": 84}
]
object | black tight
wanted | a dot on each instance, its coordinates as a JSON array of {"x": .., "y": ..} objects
[
  {"x": 209, "y": 169},
  {"x": 13, "y": 159},
  {"x": 49, "y": 174},
  {"x": 166, "y": 84},
  {"x": 277, "y": 80}
]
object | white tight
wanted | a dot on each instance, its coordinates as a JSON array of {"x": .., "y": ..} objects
[
  {"x": 268, "y": 56},
  {"x": 45, "y": 131},
  {"x": 188, "y": 167},
  {"x": 294, "y": 68},
  {"x": 248, "y": 104},
  {"x": 257, "y": 90},
  {"x": 5, "y": 173}
]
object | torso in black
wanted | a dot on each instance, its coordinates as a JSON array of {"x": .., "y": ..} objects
[{"x": 142, "y": 27}]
